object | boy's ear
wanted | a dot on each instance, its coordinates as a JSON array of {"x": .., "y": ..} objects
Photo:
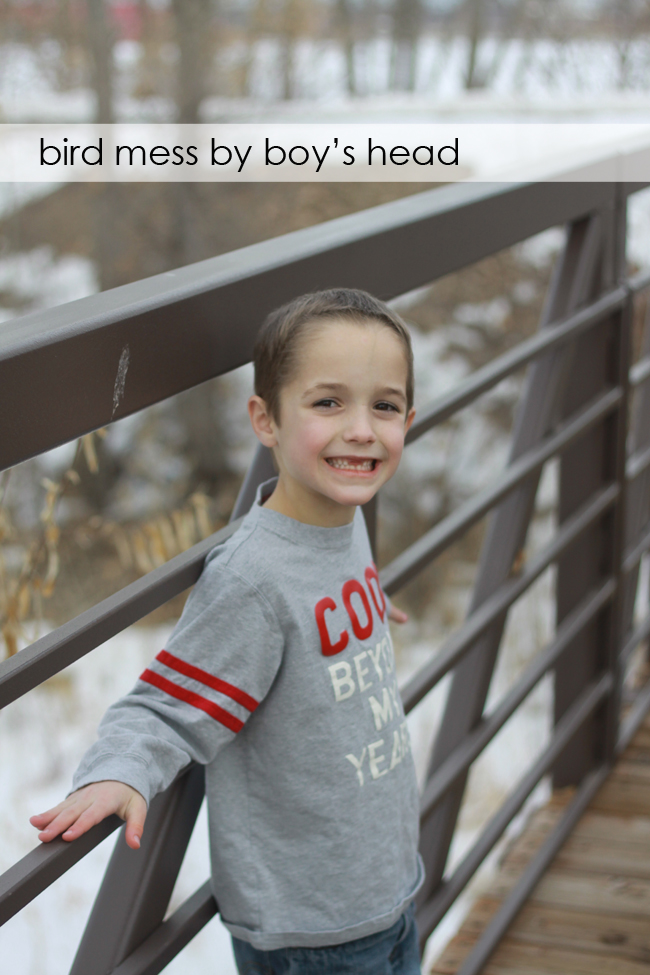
[
  {"x": 262, "y": 422},
  {"x": 409, "y": 420}
]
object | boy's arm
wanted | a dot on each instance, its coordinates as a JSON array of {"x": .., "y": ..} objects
[
  {"x": 191, "y": 701},
  {"x": 88, "y": 806}
]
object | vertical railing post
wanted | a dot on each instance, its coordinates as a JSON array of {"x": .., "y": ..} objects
[
  {"x": 619, "y": 517},
  {"x": 597, "y": 458},
  {"x": 541, "y": 404},
  {"x": 370, "y": 514},
  {"x": 638, "y": 488},
  {"x": 262, "y": 469},
  {"x": 138, "y": 884}
]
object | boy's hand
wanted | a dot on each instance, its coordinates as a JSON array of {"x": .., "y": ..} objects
[
  {"x": 88, "y": 806},
  {"x": 396, "y": 615}
]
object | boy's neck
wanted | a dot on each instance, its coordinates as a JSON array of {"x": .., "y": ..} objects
[{"x": 309, "y": 507}]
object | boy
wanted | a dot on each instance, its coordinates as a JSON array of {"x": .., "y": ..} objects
[{"x": 279, "y": 676}]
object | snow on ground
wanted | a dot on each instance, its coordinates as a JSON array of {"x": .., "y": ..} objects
[
  {"x": 43, "y": 736},
  {"x": 40, "y": 279},
  {"x": 15, "y": 195},
  {"x": 638, "y": 235},
  {"x": 560, "y": 78}
]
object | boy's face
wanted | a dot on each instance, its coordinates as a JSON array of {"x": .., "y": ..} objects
[{"x": 343, "y": 418}]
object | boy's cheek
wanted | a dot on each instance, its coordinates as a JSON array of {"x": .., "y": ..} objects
[
  {"x": 303, "y": 441},
  {"x": 396, "y": 446},
  {"x": 312, "y": 440}
]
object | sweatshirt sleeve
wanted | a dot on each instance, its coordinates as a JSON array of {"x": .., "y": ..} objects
[{"x": 197, "y": 694}]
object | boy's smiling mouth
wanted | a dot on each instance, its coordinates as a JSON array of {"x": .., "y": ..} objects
[{"x": 361, "y": 465}]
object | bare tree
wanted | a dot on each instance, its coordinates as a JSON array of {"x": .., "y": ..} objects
[
  {"x": 628, "y": 19},
  {"x": 289, "y": 29},
  {"x": 407, "y": 21},
  {"x": 501, "y": 20},
  {"x": 100, "y": 38},
  {"x": 205, "y": 440},
  {"x": 105, "y": 232},
  {"x": 258, "y": 24},
  {"x": 474, "y": 36},
  {"x": 193, "y": 34},
  {"x": 345, "y": 29},
  {"x": 153, "y": 76},
  {"x": 68, "y": 31}
]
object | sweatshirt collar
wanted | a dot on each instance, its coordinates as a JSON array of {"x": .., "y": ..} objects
[{"x": 312, "y": 536}]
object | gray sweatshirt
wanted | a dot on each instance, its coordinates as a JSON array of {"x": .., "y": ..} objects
[{"x": 280, "y": 679}]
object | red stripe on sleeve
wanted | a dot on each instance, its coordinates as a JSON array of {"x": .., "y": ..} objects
[
  {"x": 174, "y": 690},
  {"x": 203, "y": 677}
]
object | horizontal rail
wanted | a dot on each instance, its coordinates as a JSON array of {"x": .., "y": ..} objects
[
  {"x": 34, "y": 873},
  {"x": 492, "y": 609},
  {"x": 635, "y": 554},
  {"x": 476, "y": 742},
  {"x": 515, "y": 899},
  {"x": 552, "y": 337},
  {"x": 43, "y": 865},
  {"x": 640, "y": 371},
  {"x": 642, "y": 632},
  {"x": 634, "y": 719},
  {"x": 60, "y": 648},
  {"x": 639, "y": 281},
  {"x": 432, "y": 543},
  {"x": 637, "y": 464},
  {"x": 74, "y": 368},
  {"x": 435, "y": 909},
  {"x": 156, "y": 952}
]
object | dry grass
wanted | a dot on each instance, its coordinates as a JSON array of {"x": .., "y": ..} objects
[
  {"x": 139, "y": 548},
  {"x": 22, "y": 592}
]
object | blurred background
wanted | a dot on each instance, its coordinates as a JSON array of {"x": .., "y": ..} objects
[
  {"x": 203, "y": 60},
  {"x": 82, "y": 521}
]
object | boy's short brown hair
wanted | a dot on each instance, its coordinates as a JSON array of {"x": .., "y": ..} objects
[{"x": 277, "y": 346}]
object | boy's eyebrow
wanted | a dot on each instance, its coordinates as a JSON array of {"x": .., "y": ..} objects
[
  {"x": 323, "y": 386},
  {"x": 392, "y": 391},
  {"x": 333, "y": 387}
]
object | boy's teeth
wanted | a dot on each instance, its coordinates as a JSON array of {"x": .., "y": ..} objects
[{"x": 347, "y": 465}]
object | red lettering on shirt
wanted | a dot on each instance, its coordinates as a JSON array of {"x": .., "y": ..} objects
[
  {"x": 372, "y": 574},
  {"x": 328, "y": 648},
  {"x": 352, "y": 586}
]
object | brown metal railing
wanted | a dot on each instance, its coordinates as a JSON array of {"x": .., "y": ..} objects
[{"x": 198, "y": 322}]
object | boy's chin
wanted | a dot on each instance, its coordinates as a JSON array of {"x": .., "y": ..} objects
[{"x": 354, "y": 495}]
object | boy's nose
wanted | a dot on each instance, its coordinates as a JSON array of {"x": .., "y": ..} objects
[{"x": 359, "y": 429}]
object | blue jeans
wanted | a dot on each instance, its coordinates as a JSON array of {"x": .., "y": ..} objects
[{"x": 391, "y": 952}]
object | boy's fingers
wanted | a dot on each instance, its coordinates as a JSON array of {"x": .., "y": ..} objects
[
  {"x": 42, "y": 819},
  {"x": 62, "y": 819},
  {"x": 85, "y": 819},
  {"x": 60, "y": 823},
  {"x": 136, "y": 813},
  {"x": 90, "y": 805},
  {"x": 397, "y": 615}
]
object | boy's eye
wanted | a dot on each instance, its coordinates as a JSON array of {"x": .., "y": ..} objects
[
  {"x": 326, "y": 402},
  {"x": 387, "y": 407}
]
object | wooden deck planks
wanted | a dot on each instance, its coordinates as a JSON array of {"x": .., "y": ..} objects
[
  {"x": 590, "y": 913},
  {"x": 618, "y": 935},
  {"x": 515, "y": 958}
]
